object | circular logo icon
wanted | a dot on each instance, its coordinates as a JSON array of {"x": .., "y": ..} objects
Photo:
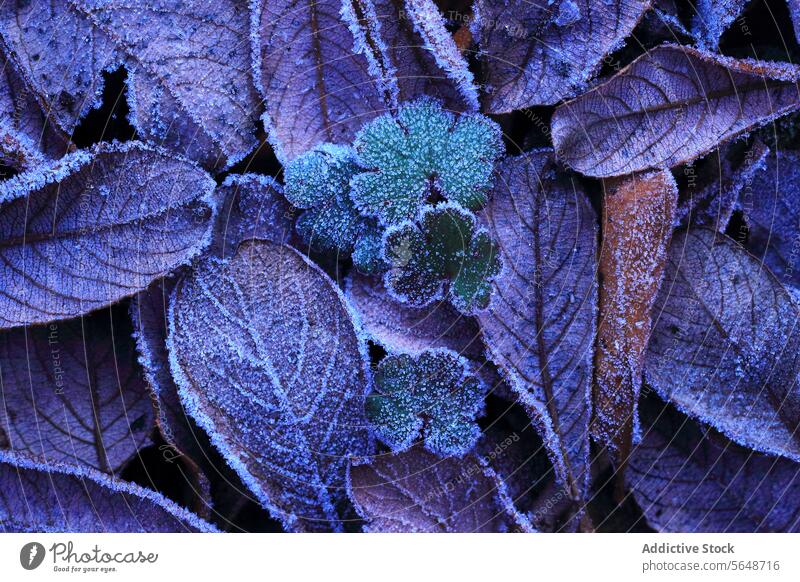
[{"x": 31, "y": 555}]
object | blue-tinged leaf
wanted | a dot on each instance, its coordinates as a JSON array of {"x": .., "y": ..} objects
[
  {"x": 416, "y": 491},
  {"x": 794, "y": 12},
  {"x": 189, "y": 82},
  {"x": 95, "y": 227},
  {"x": 715, "y": 184},
  {"x": 72, "y": 393},
  {"x": 315, "y": 84},
  {"x": 53, "y": 497},
  {"x": 402, "y": 328},
  {"x": 277, "y": 378},
  {"x": 772, "y": 213},
  {"x": 540, "y": 324},
  {"x": 712, "y": 18},
  {"x": 687, "y": 478},
  {"x": 725, "y": 348},
  {"x": 251, "y": 206},
  {"x": 27, "y": 138},
  {"x": 539, "y": 53},
  {"x": 670, "y": 106}
]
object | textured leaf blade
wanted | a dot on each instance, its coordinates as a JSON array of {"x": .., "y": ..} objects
[
  {"x": 713, "y": 17},
  {"x": 278, "y": 381},
  {"x": 540, "y": 324},
  {"x": 540, "y": 53},
  {"x": 96, "y": 227},
  {"x": 725, "y": 344},
  {"x": 56, "y": 498},
  {"x": 638, "y": 213},
  {"x": 687, "y": 478},
  {"x": 315, "y": 86},
  {"x": 416, "y": 491},
  {"x": 772, "y": 213},
  {"x": 72, "y": 393},
  {"x": 669, "y": 106},
  {"x": 190, "y": 86}
]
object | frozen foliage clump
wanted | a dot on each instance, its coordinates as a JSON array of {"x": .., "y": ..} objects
[
  {"x": 445, "y": 251},
  {"x": 421, "y": 153},
  {"x": 433, "y": 394}
]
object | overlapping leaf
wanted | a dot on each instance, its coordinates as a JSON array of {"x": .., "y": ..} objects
[
  {"x": 712, "y": 18},
  {"x": 540, "y": 324},
  {"x": 96, "y": 227},
  {"x": 51, "y": 497},
  {"x": 316, "y": 88},
  {"x": 415, "y": 491},
  {"x": 637, "y": 227},
  {"x": 687, "y": 478},
  {"x": 73, "y": 393},
  {"x": 402, "y": 328},
  {"x": 725, "y": 346},
  {"x": 277, "y": 378},
  {"x": 537, "y": 53},
  {"x": 668, "y": 107},
  {"x": 772, "y": 213},
  {"x": 189, "y": 67}
]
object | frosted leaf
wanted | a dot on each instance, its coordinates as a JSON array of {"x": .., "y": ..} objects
[
  {"x": 638, "y": 214},
  {"x": 334, "y": 225},
  {"x": 541, "y": 53},
  {"x": 27, "y": 138},
  {"x": 400, "y": 328},
  {"x": 712, "y": 18},
  {"x": 189, "y": 88},
  {"x": 319, "y": 175},
  {"x": 540, "y": 325},
  {"x": 434, "y": 394},
  {"x": 73, "y": 393},
  {"x": 715, "y": 184},
  {"x": 772, "y": 213},
  {"x": 725, "y": 344},
  {"x": 416, "y": 491},
  {"x": 54, "y": 497},
  {"x": 687, "y": 478},
  {"x": 446, "y": 255},
  {"x": 669, "y": 106},
  {"x": 316, "y": 83},
  {"x": 421, "y": 150},
  {"x": 277, "y": 379},
  {"x": 794, "y": 13},
  {"x": 251, "y": 206},
  {"x": 367, "y": 252},
  {"x": 95, "y": 227}
]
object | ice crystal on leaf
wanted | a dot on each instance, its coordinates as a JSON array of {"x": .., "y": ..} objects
[
  {"x": 422, "y": 152},
  {"x": 446, "y": 249},
  {"x": 434, "y": 394}
]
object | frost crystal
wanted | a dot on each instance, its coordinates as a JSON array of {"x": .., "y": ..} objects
[
  {"x": 445, "y": 248},
  {"x": 433, "y": 393},
  {"x": 423, "y": 152}
]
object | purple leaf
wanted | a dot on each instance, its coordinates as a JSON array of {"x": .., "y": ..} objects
[
  {"x": 72, "y": 393},
  {"x": 189, "y": 83},
  {"x": 669, "y": 106},
  {"x": 712, "y": 18},
  {"x": 411, "y": 52},
  {"x": 26, "y": 136},
  {"x": 277, "y": 378},
  {"x": 772, "y": 212},
  {"x": 540, "y": 324},
  {"x": 315, "y": 80},
  {"x": 687, "y": 479},
  {"x": 416, "y": 491},
  {"x": 540, "y": 53},
  {"x": 95, "y": 227},
  {"x": 58, "y": 498},
  {"x": 714, "y": 185},
  {"x": 726, "y": 343},
  {"x": 401, "y": 328},
  {"x": 251, "y": 206}
]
